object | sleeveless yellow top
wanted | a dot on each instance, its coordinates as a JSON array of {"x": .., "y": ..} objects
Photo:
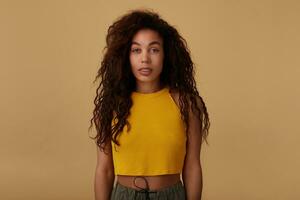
[{"x": 156, "y": 142}]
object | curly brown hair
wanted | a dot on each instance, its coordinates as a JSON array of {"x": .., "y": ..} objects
[{"x": 113, "y": 95}]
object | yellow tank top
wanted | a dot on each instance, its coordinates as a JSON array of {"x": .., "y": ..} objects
[{"x": 156, "y": 142}]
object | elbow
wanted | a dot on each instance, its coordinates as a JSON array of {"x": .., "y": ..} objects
[
  {"x": 193, "y": 170},
  {"x": 108, "y": 173}
]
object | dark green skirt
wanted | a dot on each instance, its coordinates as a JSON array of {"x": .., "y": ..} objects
[{"x": 173, "y": 192}]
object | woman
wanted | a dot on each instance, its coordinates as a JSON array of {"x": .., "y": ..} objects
[{"x": 149, "y": 116}]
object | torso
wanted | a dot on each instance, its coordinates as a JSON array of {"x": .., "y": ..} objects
[{"x": 154, "y": 182}]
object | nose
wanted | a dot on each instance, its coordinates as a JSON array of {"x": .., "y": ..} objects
[{"x": 145, "y": 57}]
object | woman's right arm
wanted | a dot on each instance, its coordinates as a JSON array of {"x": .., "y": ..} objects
[{"x": 104, "y": 174}]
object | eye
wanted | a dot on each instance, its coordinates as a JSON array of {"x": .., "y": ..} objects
[
  {"x": 134, "y": 50},
  {"x": 155, "y": 50}
]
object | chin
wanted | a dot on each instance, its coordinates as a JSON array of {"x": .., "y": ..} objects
[{"x": 145, "y": 79}]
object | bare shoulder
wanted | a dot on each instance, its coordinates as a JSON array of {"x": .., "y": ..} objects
[{"x": 175, "y": 95}]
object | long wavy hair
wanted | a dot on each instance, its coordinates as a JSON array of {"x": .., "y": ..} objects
[{"x": 113, "y": 95}]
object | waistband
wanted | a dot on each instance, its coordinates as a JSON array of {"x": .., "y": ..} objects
[{"x": 173, "y": 188}]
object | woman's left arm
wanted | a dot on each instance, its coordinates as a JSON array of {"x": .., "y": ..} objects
[{"x": 192, "y": 171}]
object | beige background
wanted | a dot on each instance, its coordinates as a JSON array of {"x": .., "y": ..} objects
[{"x": 247, "y": 59}]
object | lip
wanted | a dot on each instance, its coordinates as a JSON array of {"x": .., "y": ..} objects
[
  {"x": 143, "y": 68},
  {"x": 145, "y": 71}
]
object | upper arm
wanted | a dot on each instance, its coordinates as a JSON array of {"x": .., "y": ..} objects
[
  {"x": 194, "y": 137},
  {"x": 105, "y": 160}
]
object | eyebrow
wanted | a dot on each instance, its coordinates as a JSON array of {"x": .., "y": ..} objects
[{"x": 151, "y": 43}]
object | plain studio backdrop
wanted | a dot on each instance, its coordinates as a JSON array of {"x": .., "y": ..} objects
[{"x": 246, "y": 55}]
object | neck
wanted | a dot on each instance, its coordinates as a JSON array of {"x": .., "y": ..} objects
[{"x": 148, "y": 88}]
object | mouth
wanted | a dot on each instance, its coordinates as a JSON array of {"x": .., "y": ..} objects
[{"x": 145, "y": 71}]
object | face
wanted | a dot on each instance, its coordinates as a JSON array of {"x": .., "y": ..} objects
[{"x": 146, "y": 52}]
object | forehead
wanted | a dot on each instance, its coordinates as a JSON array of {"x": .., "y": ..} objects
[{"x": 146, "y": 37}]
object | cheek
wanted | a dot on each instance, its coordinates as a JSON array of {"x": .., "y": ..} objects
[
  {"x": 159, "y": 61},
  {"x": 133, "y": 62},
  {"x": 133, "y": 58},
  {"x": 134, "y": 66},
  {"x": 130, "y": 59},
  {"x": 159, "y": 58}
]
